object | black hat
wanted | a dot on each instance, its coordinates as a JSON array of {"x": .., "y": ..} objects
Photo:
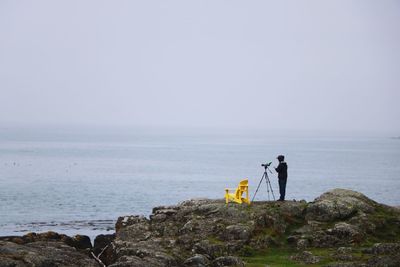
[{"x": 281, "y": 157}]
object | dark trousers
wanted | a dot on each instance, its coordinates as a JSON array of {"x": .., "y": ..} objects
[{"x": 282, "y": 188}]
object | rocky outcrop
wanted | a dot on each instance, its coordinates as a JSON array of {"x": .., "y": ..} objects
[
  {"x": 42, "y": 253},
  {"x": 206, "y": 232},
  {"x": 81, "y": 242},
  {"x": 339, "y": 228}
]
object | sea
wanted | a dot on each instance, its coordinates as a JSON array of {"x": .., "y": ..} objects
[{"x": 77, "y": 181}]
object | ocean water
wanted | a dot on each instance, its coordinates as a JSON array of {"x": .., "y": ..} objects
[{"x": 74, "y": 182}]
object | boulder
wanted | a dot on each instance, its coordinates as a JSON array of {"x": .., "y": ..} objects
[
  {"x": 82, "y": 242},
  {"x": 338, "y": 204},
  {"x": 101, "y": 242}
]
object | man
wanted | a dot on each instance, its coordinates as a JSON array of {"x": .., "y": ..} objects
[{"x": 282, "y": 176}]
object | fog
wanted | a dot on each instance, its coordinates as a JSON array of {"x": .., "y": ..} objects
[{"x": 271, "y": 65}]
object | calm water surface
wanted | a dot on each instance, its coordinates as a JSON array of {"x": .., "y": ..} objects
[{"x": 76, "y": 183}]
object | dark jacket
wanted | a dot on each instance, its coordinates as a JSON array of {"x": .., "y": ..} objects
[{"x": 282, "y": 170}]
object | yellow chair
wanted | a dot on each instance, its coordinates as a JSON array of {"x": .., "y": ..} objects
[{"x": 243, "y": 187}]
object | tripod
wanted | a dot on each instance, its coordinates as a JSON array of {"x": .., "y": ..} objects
[{"x": 267, "y": 181}]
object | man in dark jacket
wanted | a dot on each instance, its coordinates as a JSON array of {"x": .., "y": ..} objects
[{"x": 282, "y": 176}]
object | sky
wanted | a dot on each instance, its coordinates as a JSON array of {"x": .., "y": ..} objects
[{"x": 272, "y": 65}]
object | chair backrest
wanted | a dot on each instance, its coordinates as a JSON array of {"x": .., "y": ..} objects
[{"x": 242, "y": 187}]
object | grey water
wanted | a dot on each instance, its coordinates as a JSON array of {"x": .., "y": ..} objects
[{"x": 82, "y": 181}]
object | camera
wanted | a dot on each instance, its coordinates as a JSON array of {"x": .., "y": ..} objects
[{"x": 266, "y": 165}]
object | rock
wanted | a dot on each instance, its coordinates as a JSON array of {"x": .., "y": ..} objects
[
  {"x": 302, "y": 244},
  {"x": 347, "y": 233},
  {"x": 79, "y": 241},
  {"x": 197, "y": 260},
  {"x": 102, "y": 241},
  {"x": 200, "y": 229},
  {"x": 338, "y": 204},
  {"x": 386, "y": 248},
  {"x": 306, "y": 257},
  {"x": 133, "y": 229},
  {"x": 103, "y": 248},
  {"x": 42, "y": 253},
  {"x": 204, "y": 232},
  {"x": 158, "y": 217},
  {"x": 82, "y": 242},
  {"x": 344, "y": 254},
  {"x": 167, "y": 212},
  {"x": 345, "y": 264},
  {"x": 146, "y": 253},
  {"x": 237, "y": 232},
  {"x": 294, "y": 208},
  {"x": 384, "y": 261},
  {"x": 228, "y": 261},
  {"x": 127, "y": 221},
  {"x": 212, "y": 251}
]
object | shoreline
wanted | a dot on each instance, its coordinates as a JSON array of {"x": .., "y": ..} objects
[
  {"x": 90, "y": 228},
  {"x": 340, "y": 226}
]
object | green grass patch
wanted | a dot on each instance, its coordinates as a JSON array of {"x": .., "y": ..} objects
[
  {"x": 271, "y": 257},
  {"x": 275, "y": 257}
]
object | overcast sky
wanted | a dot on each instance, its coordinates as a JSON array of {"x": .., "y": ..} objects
[{"x": 298, "y": 65}]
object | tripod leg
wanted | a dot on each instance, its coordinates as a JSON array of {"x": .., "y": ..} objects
[
  {"x": 269, "y": 185},
  {"x": 257, "y": 188},
  {"x": 272, "y": 190},
  {"x": 266, "y": 182}
]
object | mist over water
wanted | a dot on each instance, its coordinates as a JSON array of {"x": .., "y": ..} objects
[{"x": 75, "y": 182}]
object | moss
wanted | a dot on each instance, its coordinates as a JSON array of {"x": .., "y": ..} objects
[
  {"x": 214, "y": 240},
  {"x": 387, "y": 223}
]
